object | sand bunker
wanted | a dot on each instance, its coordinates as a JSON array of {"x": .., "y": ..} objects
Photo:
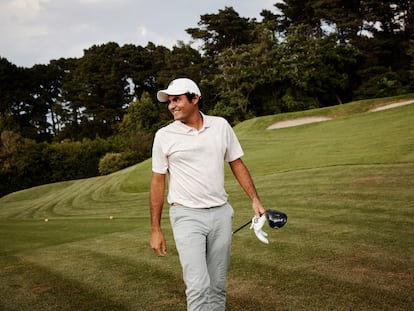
[
  {"x": 307, "y": 120},
  {"x": 295, "y": 122},
  {"x": 393, "y": 105}
]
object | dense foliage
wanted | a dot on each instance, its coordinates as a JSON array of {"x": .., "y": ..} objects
[{"x": 57, "y": 121}]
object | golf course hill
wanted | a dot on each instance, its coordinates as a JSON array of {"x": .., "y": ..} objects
[
  {"x": 344, "y": 175},
  {"x": 354, "y": 135}
]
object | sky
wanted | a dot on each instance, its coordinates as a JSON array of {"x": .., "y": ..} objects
[{"x": 37, "y": 31}]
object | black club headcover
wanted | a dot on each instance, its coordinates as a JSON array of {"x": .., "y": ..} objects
[{"x": 276, "y": 219}]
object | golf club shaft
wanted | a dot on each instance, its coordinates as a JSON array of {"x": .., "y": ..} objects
[
  {"x": 247, "y": 223},
  {"x": 274, "y": 223}
]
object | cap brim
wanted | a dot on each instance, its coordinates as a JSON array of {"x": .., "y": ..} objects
[{"x": 162, "y": 96}]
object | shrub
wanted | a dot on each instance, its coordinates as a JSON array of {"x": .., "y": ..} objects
[{"x": 112, "y": 162}]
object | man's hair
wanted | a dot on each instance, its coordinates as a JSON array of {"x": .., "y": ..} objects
[{"x": 190, "y": 97}]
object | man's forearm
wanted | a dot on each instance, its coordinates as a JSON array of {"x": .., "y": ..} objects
[
  {"x": 244, "y": 178},
  {"x": 157, "y": 189}
]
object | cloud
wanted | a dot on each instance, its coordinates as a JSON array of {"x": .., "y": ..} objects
[
  {"x": 37, "y": 31},
  {"x": 29, "y": 6}
]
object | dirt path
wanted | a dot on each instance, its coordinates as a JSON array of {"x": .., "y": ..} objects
[{"x": 307, "y": 120}]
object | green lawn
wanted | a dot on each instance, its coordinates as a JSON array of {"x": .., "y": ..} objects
[{"x": 347, "y": 186}]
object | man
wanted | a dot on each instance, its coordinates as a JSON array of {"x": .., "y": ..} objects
[{"x": 191, "y": 151}]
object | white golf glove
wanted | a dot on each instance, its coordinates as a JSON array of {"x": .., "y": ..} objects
[{"x": 257, "y": 225}]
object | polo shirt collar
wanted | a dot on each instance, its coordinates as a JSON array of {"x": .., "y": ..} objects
[{"x": 206, "y": 121}]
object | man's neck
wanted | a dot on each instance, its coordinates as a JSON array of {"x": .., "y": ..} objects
[{"x": 196, "y": 122}]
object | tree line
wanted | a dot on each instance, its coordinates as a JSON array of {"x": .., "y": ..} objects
[{"x": 80, "y": 117}]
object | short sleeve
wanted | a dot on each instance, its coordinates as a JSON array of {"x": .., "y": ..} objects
[
  {"x": 234, "y": 149},
  {"x": 159, "y": 158}
]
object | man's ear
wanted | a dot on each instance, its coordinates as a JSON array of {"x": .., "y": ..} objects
[{"x": 196, "y": 99}]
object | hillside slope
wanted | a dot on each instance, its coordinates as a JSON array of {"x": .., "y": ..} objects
[
  {"x": 346, "y": 184},
  {"x": 354, "y": 136}
]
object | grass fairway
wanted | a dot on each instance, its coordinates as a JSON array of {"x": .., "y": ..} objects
[{"x": 347, "y": 186}]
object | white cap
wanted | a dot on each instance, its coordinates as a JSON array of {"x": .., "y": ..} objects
[{"x": 178, "y": 87}]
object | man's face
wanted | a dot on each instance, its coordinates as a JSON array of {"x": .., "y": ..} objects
[{"x": 181, "y": 108}]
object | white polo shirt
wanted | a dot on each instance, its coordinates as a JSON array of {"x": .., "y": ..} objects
[{"x": 194, "y": 160}]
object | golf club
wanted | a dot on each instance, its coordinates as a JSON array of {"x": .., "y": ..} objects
[
  {"x": 238, "y": 229},
  {"x": 276, "y": 220}
]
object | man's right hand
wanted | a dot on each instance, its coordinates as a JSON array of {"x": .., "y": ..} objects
[{"x": 158, "y": 243}]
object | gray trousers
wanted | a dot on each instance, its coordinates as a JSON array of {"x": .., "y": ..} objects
[{"x": 203, "y": 241}]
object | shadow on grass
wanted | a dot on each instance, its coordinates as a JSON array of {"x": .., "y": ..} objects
[
  {"x": 113, "y": 284},
  {"x": 318, "y": 281},
  {"x": 27, "y": 286}
]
